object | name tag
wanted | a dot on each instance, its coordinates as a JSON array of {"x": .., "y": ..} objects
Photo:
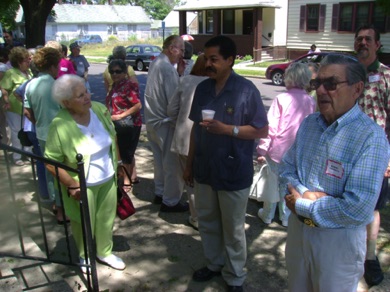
[
  {"x": 64, "y": 69},
  {"x": 373, "y": 78},
  {"x": 334, "y": 168}
]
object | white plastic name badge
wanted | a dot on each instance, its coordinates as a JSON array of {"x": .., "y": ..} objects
[
  {"x": 334, "y": 168},
  {"x": 373, "y": 78}
]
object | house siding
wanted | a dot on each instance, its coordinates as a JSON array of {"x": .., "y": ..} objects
[{"x": 328, "y": 40}]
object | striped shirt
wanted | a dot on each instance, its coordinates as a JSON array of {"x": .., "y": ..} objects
[{"x": 346, "y": 160}]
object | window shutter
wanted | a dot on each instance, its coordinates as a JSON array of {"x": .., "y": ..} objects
[
  {"x": 302, "y": 19},
  {"x": 321, "y": 23},
  {"x": 335, "y": 17}
]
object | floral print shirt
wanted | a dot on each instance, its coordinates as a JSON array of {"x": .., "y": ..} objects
[
  {"x": 375, "y": 100},
  {"x": 122, "y": 96}
]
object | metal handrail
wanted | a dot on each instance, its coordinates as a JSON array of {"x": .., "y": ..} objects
[{"x": 89, "y": 244}]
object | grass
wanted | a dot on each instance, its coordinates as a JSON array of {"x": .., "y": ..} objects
[
  {"x": 98, "y": 53},
  {"x": 250, "y": 73},
  {"x": 268, "y": 63}
]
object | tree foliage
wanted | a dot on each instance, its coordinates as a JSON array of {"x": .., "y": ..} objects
[
  {"x": 8, "y": 9},
  {"x": 385, "y": 5}
]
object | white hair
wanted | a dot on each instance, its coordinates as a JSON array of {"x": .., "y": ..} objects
[{"x": 64, "y": 86}]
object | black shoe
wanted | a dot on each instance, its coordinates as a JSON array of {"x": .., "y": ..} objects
[
  {"x": 179, "y": 207},
  {"x": 372, "y": 272},
  {"x": 157, "y": 200},
  {"x": 235, "y": 288},
  {"x": 204, "y": 274}
]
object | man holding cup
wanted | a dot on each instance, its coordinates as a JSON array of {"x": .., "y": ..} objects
[{"x": 228, "y": 115}]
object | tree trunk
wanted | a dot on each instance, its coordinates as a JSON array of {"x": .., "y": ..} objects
[{"x": 35, "y": 16}]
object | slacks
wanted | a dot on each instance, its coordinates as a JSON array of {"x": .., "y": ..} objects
[
  {"x": 221, "y": 217},
  {"x": 102, "y": 209},
  {"x": 168, "y": 179},
  {"x": 324, "y": 259}
]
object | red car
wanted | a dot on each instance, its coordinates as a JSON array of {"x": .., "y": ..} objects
[{"x": 276, "y": 72}]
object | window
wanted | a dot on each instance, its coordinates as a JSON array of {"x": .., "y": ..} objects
[
  {"x": 200, "y": 22},
  {"x": 228, "y": 22},
  {"x": 112, "y": 29},
  {"x": 312, "y": 18},
  {"x": 209, "y": 21},
  {"x": 350, "y": 16},
  {"x": 83, "y": 29}
]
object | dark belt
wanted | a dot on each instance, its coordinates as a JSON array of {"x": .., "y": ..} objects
[{"x": 307, "y": 221}]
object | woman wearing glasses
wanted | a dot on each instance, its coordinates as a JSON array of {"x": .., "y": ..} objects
[
  {"x": 286, "y": 113},
  {"x": 124, "y": 105}
]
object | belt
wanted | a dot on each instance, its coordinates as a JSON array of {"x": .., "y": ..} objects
[{"x": 307, "y": 221}]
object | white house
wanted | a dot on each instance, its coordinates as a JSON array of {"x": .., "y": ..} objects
[
  {"x": 331, "y": 25},
  {"x": 254, "y": 25},
  {"x": 74, "y": 20}
]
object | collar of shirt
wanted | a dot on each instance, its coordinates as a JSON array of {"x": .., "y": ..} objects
[
  {"x": 374, "y": 66},
  {"x": 345, "y": 119}
]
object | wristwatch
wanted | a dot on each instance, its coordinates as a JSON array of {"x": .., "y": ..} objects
[{"x": 235, "y": 131}]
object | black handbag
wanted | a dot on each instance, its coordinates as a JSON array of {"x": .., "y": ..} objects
[
  {"x": 125, "y": 122},
  {"x": 22, "y": 135},
  {"x": 125, "y": 207}
]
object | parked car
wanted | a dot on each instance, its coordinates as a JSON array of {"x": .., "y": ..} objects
[
  {"x": 140, "y": 56},
  {"x": 276, "y": 72},
  {"x": 89, "y": 39}
]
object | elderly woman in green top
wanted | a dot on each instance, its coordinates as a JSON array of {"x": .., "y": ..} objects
[
  {"x": 85, "y": 127},
  {"x": 13, "y": 78}
]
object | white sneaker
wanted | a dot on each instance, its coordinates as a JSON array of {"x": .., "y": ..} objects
[
  {"x": 83, "y": 268},
  {"x": 113, "y": 261},
  {"x": 193, "y": 222},
  {"x": 285, "y": 223},
  {"x": 260, "y": 215}
]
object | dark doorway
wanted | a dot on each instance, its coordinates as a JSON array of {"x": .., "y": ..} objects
[{"x": 247, "y": 22}]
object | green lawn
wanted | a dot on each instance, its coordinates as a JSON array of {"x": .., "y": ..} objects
[{"x": 98, "y": 53}]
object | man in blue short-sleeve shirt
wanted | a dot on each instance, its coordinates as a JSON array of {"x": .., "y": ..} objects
[{"x": 220, "y": 161}]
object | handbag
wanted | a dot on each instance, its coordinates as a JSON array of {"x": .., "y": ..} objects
[
  {"x": 125, "y": 122},
  {"x": 22, "y": 135},
  {"x": 265, "y": 186},
  {"x": 24, "y": 140},
  {"x": 125, "y": 207}
]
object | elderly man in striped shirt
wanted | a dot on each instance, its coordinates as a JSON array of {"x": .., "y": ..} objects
[{"x": 335, "y": 170}]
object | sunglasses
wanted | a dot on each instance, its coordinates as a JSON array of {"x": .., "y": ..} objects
[
  {"x": 115, "y": 72},
  {"x": 328, "y": 83}
]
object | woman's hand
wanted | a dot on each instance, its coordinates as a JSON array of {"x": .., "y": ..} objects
[
  {"x": 261, "y": 160},
  {"x": 116, "y": 117},
  {"x": 74, "y": 192}
]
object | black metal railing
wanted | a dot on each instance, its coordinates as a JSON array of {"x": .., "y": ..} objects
[{"x": 89, "y": 244}]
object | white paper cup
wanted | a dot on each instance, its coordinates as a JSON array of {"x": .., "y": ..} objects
[{"x": 208, "y": 114}]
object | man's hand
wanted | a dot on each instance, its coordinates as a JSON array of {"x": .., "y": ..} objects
[
  {"x": 387, "y": 172},
  {"x": 188, "y": 178},
  {"x": 291, "y": 198},
  {"x": 313, "y": 195},
  {"x": 116, "y": 117},
  {"x": 216, "y": 127}
]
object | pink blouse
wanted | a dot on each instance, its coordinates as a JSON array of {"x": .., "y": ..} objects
[{"x": 285, "y": 115}]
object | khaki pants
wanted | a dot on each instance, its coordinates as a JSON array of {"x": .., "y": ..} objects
[{"x": 221, "y": 217}]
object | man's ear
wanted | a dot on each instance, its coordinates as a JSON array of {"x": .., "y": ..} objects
[
  {"x": 231, "y": 59},
  {"x": 358, "y": 89}
]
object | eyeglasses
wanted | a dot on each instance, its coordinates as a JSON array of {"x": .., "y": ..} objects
[
  {"x": 328, "y": 83},
  {"x": 115, "y": 72},
  {"x": 360, "y": 39}
]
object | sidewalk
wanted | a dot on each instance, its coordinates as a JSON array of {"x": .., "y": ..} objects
[{"x": 161, "y": 250}]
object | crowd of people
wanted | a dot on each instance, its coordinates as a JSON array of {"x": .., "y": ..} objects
[{"x": 326, "y": 139}]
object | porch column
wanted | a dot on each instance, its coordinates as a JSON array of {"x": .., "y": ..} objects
[
  {"x": 217, "y": 22},
  {"x": 257, "y": 32},
  {"x": 182, "y": 22}
]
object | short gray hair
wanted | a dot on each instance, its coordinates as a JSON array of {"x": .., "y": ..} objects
[
  {"x": 297, "y": 75},
  {"x": 64, "y": 86},
  {"x": 354, "y": 70}
]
